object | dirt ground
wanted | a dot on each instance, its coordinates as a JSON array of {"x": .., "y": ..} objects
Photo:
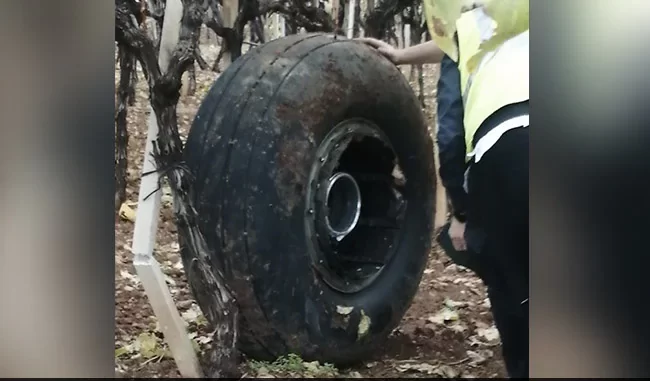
[{"x": 447, "y": 332}]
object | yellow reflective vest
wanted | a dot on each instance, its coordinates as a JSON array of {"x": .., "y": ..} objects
[{"x": 501, "y": 77}]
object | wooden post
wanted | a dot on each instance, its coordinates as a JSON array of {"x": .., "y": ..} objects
[
  {"x": 282, "y": 24},
  {"x": 146, "y": 225},
  {"x": 399, "y": 32},
  {"x": 229, "y": 15},
  {"x": 151, "y": 28},
  {"x": 271, "y": 27},
  {"x": 407, "y": 43},
  {"x": 335, "y": 13},
  {"x": 351, "y": 4},
  {"x": 370, "y": 6},
  {"x": 276, "y": 26}
]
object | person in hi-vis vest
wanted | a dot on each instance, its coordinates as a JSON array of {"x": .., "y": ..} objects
[{"x": 483, "y": 146}]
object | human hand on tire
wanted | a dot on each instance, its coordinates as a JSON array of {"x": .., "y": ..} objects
[
  {"x": 388, "y": 51},
  {"x": 457, "y": 234}
]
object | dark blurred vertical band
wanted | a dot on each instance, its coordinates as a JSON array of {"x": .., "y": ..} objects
[
  {"x": 588, "y": 187},
  {"x": 56, "y": 181}
]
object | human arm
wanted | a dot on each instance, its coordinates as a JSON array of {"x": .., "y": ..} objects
[
  {"x": 425, "y": 53},
  {"x": 451, "y": 136}
]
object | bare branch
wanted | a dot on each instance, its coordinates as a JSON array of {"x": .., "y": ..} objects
[{"x": 207, "y": 283}]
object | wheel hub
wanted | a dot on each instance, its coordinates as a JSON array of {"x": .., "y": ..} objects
[
  {"x": 351, "y": 195},
  {"x": 343, "y": 205}
]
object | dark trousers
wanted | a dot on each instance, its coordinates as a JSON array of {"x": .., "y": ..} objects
[{"x": 498, "y": 194}]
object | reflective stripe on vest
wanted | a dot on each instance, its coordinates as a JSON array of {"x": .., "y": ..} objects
[{"x": 500, "y": 79}]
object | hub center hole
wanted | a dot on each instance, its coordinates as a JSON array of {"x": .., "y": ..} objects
[{"x": 343, "y": 204}]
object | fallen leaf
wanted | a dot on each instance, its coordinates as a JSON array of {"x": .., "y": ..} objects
[
  {"x": 446, "y": 371},
  {"x": 128, "y": 276},
  {"x": 458, "y": 328},
  {"x": 422, "y": 367},
  {"x": 445, "y": 315},
  {"x": 191, "y": 315},
  {"x": 126, "y": 213},
  {"x": 122, "y": 351},
  {"x": 473, "y": 341},
  {"x": 204, "y": 339},
  {"x": 262, "y": 371},
  {"x": 184, "y": 304},
  {"x": 451, "y": 268},
  {"x": 147, "y": 345},
  {"x": 490, "y": 334},
  {"x": 481, "y": 324},
  {"x": 475, "y": 358},
  {"x": 202, "y": 320},
  {"x": 453, "y": 304},
  {"x": 312, "y": 366}
]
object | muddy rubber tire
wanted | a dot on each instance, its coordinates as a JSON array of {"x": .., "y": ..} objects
[{"x": 251, "y": 147}]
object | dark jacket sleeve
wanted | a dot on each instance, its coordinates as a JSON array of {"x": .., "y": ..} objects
[{"x": 451, "y": 134}]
